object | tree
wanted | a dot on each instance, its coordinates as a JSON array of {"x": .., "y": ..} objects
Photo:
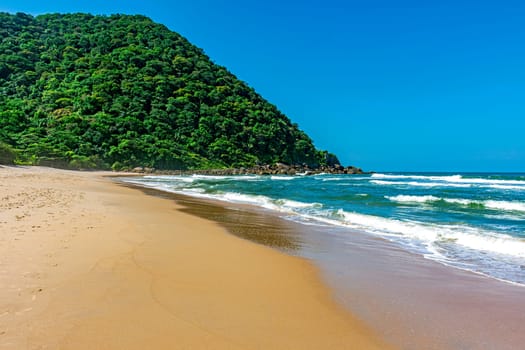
[{"x": 104, "y": 90}]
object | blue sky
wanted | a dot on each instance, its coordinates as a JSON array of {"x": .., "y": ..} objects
[{"x": 386, "y": 85}]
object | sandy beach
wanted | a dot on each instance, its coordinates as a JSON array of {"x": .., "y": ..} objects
[{"x": 88, "y": 264}]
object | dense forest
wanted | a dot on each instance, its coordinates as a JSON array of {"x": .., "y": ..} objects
[{"x": 120, "y": 91}]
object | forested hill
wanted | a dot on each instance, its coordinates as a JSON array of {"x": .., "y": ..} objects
[{"x": 122, "y": 91}]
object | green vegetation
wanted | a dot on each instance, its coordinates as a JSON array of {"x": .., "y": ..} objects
[
  {"x": 7, "y": 154},
  {"x": 90, "y": 91}
]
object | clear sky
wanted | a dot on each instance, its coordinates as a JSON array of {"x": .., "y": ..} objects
[{"x": 386, "y": 85}]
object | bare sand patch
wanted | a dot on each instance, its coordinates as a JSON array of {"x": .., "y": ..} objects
[{"x": 88, "y": 264}]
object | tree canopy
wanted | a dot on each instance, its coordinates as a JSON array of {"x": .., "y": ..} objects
[{"x": 123, "y": 91}]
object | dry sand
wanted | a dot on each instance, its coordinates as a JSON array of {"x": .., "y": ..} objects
[{"x": 88, "y": 264}]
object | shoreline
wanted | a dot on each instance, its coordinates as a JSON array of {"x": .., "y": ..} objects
[
  {"x": 266, "y": 169},
  {"x": 412, "y": 301},
  {"x": 417, "y": 303},
  {"x": 90, "y": 264}
]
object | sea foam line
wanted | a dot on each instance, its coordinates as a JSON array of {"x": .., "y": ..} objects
[
  {"x": 419, "y": 184},
  {"x": 417, "y": 177},
  {"x": 490, "y": 204},
  {"x": 429, "y": 234},
  {"x": 282, "y": 205},
  {"x": 226, "y": 177},
  {"x": 450, "y": 178},
  {"x": 283, "y": 177}
]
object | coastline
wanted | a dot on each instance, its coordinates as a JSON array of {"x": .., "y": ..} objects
[
  {"x": 412, "y": 301},
  {"x": 90, "y": 264},
  {"x": 418, "y": 303}
]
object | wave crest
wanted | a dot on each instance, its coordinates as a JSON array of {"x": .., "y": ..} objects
[{"x": 489, "y": 204}]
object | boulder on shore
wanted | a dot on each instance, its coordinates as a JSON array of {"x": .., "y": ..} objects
[{"x": 266, "y": 169}]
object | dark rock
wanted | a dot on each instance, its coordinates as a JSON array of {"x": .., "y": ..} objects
[{"x": 264, "y": 169}]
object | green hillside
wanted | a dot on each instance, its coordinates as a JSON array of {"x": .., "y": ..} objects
[{"x": 122, "y": 91}]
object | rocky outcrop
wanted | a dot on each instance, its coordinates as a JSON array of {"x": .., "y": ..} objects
[{"x": 275, "y": 169}]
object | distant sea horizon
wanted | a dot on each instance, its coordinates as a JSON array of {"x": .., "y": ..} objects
[{"x": 458, "y": 172}]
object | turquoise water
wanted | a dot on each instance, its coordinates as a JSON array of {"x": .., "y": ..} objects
[{"x": 469, "y": 221}]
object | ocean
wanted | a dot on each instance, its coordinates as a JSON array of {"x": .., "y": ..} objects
[{"x": 469, "y": 221}]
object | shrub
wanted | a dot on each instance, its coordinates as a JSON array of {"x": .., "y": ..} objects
[
  {"x": 85, "y": 163},
  {"x": 7, "y": 154}
]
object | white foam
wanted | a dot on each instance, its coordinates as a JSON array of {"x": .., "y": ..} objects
[
  {"x": 412, "y": 199},
  {"x": 437, "y": 184},
  {"x": 495, "y": 243},
  {"x": 282, "y": 177},
  {"x": 170, "y": 178},
  {"x": 226, "y": 177},
  {"x": 429, "y": 198},
  {"x": 295, "y": 204},
  {"x": 381, "y": 182},
  {"x": 343, "y": 178},
  {"x": 491, "y": 181},
  {"x": 194, "y": 190},
  {"x": 194, "y": 177},
  {"x": 490, "y": 204},
  {"x": 505, "y": 217},
  {"x": 461, "y": 201},
  {"x": 503, "y": 205},
  {"x": 508, "y": 187},
  {"x": 452, "y": 179},
  {"x": 419, "y": 184},
  {"x": 332, "y": 179},
  {"x": 244, "y": 198},
  {"x": 418, "y": 177},
  {"x": 429, "y": 234}
]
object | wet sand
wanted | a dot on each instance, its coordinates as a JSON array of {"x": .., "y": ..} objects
[
  {"x": 88, "y": 264},
  {"x": 414, "y": 303}
]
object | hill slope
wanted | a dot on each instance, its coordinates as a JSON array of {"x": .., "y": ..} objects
[{"x": 97, "y": 91}]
